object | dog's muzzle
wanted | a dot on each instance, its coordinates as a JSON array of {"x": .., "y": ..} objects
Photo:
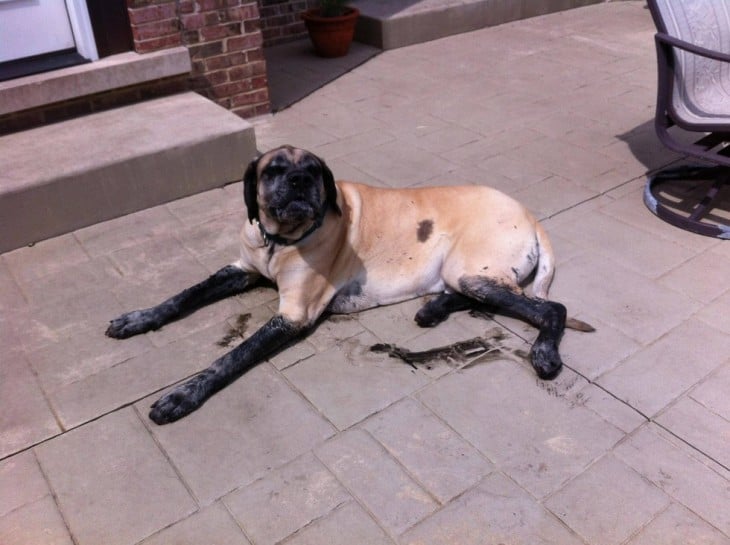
[
  {"x": 298, "y": 201},
  {"x": 295, "y": 211}
]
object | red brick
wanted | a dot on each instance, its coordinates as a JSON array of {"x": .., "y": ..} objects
[
  {"x": 247, "y": 99},
  {"x": 152, "y": 13},
  {"x": 243, "y": 13},
  {"x": 218, "y": 77},
  {"x": 259, "y": 67},
  {"x": 220, "y": 31},
  {"x": 223, "y": 102},
  {"x": 192, "y": 21},
  {"x": 217, "y": 63},
  {"x": 248, "y": 112},
  {"x": 231, "y": 89},
  {"x": 251, "y": 26},
  {"x": 200, "y": 85},
  {"x": 206, "y": 82},
  {"x": 190, "y": 37},
  {"x": 214, "y": 18},
  {"x": 255, "y": 55},
  {"x": 223, "y": 61},
  {"x": 240, "y": 43},
  {"x": 239, "y": 57},
  {"x": 156, "y": 44},
  {"x": 199, "y": 66},
  {"x": 260, "y": 82},
  {"x": 143, "y": 15},
  {"x": 138, "y": 3},
  {"x": 263, "y": 108},
  {"x": 186, "y": 6},
  {"x": 247, "y": 70},
  {"x": 155, "y": 30},
  {"x": 208, "y": 5},
  {"x": 203, "y": 51},
  {"x": 244, "y": 71}
]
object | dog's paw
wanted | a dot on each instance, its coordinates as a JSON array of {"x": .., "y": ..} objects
[
  {"x": 546, "y": 360},
  {"x": 179, "y": 402},
  {"x": 132, "y": 323},
  {"x": 426, "y": 317}
]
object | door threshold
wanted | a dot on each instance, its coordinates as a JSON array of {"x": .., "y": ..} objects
[{"x": 40, "y": 63}]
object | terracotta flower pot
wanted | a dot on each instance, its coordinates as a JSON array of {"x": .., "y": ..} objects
[{"x": 331, "y": 36}]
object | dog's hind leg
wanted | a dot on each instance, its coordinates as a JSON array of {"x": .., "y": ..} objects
[
  {"x": 440, "y": 307},
  {"x": 190, "y": 395},
  {"x": 548, "y": 316},
  {"x": 229, "y": 280}
]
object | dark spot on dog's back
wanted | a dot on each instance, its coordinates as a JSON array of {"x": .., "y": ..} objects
[{"x": 425, "y": 228}]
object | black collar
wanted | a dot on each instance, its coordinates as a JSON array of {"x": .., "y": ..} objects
[{"x": 271, "y": 240}]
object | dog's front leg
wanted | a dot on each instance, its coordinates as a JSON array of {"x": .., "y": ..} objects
[
  {"x": 229, "y": 280},
  {"x": 190, "y": 395}
]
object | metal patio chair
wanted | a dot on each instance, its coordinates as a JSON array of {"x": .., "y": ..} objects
[{"x": 693, "y": 114}]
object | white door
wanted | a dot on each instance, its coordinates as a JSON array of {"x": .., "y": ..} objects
[{"x": 34, "y": 27}]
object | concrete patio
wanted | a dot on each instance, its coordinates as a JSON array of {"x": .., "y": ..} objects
[{"x": 329, "y": 443}]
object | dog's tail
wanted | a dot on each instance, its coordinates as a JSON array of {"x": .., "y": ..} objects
[
  {"x": 544, "y": 272},
  {"x": 545, "y": 267},
  {"x": 578, "y": 325}
]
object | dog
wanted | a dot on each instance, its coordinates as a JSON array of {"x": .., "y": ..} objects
[{"x": 342, "y": 247}]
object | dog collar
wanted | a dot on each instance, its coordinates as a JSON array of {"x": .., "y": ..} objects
[{"x": 270, "y": 239}]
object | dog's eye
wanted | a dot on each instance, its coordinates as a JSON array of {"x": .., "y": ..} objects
[{"x": 313, "y": 170}]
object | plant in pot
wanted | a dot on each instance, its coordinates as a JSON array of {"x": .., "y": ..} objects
[{"x": 331, "y": 27}]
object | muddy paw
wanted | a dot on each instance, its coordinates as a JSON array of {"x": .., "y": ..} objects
[
  {"x": 181, "y": 400},
  {"x": 428, "y": 317},
  {"x": 173, "y": 406},
  {"x": 546, "y": 361},
  {"x": 132, "y": 323}
]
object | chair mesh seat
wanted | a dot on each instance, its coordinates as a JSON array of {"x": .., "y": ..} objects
[{"x": 701, "y": 85}]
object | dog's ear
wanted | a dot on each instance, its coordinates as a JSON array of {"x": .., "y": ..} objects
[
  {"x": 250, "y": 190},
  {"x": 330, "y": 189}
]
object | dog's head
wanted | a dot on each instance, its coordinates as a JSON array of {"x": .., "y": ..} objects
[{"x": 288, "y": 190}]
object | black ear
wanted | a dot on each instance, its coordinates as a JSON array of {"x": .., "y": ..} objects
[
  {"x": 330, "y": 189},
  {"x": 249, "y": 190}
]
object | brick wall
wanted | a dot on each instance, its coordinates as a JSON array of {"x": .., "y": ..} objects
[
  {"x": 280, "y": 20},
  {"x": 155, "y": 24},
  {"x": 225, "y": 42}
]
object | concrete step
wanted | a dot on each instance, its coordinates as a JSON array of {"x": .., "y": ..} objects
[
  {"x": 389, "y": 24},
  {"x": 64, "y": 176}
]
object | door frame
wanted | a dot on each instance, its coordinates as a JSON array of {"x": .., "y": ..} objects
[{"x": 81, "y": 27}]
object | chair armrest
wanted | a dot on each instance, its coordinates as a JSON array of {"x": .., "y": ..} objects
[{"x": 692, "y": 48}]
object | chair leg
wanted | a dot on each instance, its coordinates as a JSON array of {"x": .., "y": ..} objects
[{"x": 668, "y": 195}]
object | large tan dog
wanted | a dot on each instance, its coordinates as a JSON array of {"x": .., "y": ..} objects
[{"x": 344, "y": 247}]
